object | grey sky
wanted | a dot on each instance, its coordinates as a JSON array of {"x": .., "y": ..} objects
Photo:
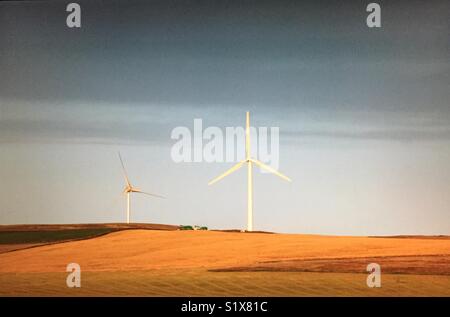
[{"x": 364, "y": 114}]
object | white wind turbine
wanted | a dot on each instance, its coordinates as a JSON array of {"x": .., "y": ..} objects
[
  {"x": 250, "y": 161},
  {"x": 130, "y": 189}
]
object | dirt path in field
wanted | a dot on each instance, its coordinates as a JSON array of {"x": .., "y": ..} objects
[{"x": 424, "y": 265}]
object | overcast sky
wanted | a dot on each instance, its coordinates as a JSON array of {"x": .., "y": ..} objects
[{"x": 364, "y": 114}]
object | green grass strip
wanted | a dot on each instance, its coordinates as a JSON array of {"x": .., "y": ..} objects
[{"x": 17, "y": 237}]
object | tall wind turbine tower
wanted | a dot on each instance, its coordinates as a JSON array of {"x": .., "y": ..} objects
[
  {"x": 249, "y": 161},
  {"x": 131, "y": 189}
]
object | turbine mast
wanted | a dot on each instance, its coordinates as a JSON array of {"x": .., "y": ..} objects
[
  {"x": 128, "y": 207},
  {"x": 250, "y": 197},
  {"x": 247, "y": 137},
  {"x": 249, "y": 174}
]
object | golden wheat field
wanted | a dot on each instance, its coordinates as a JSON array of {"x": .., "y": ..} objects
[{"x": 213, "y": 263}]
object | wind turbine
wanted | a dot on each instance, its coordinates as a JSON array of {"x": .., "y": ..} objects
[
  {"x": 130, "y": 189},
  {"x": 250, "y": 161}
]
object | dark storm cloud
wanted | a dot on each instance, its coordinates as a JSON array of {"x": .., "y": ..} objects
[
  {"x": 205, "y": 51},
  {"x": 265, "y": 55}
]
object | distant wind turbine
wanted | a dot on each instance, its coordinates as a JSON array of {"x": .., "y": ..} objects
[
  {"x": 250, "y": 161},
  {"x": 130, "y": 189}
]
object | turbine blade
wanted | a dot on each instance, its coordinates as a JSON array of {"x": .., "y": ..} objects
[
  {"x": 270, "y": 169},
  {"x": 124, "y": 171},
  {"x": 247, "y": 136},
  {"x": 228, "y": 172},
  {"x": 145, "y": 193}
]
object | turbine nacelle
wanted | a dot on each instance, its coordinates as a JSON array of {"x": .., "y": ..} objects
[{"x": 129, "y": 189}]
